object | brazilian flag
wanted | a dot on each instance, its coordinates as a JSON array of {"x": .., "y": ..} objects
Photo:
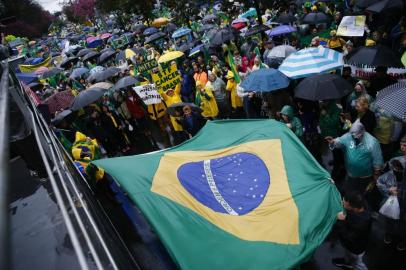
[{"x": 241, "y": 194}]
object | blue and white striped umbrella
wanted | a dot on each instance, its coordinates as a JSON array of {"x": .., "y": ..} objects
[
  {"x": 310, "y": 61},
  {"x": 393, "y": 99}
]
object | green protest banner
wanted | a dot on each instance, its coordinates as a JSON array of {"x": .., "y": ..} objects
[{"x": 147, "y": 65}]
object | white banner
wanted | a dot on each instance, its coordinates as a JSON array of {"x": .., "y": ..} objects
[
  {"x": 148, "y": 94},
  {"x": 351, "y": 26},
  {"x": 368, "y": 72}
]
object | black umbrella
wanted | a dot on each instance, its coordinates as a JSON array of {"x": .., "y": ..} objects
[
  {"x": 87, "y": 97},
  {"x": 104, "y": 75},
  {"x": 138, "y": 28},
  {"x": 256, "y": 29},
  {"x": 185, "y": 47},
  {"x": 206, "y": 27},
  {"x": 154, "y": 37},
  {"x": 286, "y": 18},
  {"x": 209, "y": 18},
  {"x": 365, "y": 3},
  {"x": 106, "y": 50},
  {"x": 51, "y": 72},
  {"x": 323, "y": 87},
  {"x": 171, "y": 110},
  {"x": 315, "y": 18},
  {"x": 377, "y": 55},
  {"x": 125, "y": 82},
  {"x": 220, "y": 37},
  {"x": 60, "y": 116},
  {"x": 65, "y": 63},
  {"x": 385, "y": 5},
  {"x": 78, "y": 72},
  {"x": 90, "y": 55},
  {"x": 83, "y": 52},
  {"x": 170, "y": 28},
  {"x": 106, "y": 56}
]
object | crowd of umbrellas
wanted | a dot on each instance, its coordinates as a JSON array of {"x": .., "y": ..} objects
[{"x": 314, "y": 64}]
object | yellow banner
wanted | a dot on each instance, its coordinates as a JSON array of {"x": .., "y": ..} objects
[
  {"x": 32, "y": 68},
  {"x": 166, "y": 79}
]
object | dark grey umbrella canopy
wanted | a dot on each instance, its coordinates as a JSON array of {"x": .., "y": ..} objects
[
  {"x": 78, "y": 72},
  {"x": 154, "y": 37},
  {"x": 256, "y": 29},
  {"x": 376, "y": 56},
  {"x": 87, "y": 97},
  {"x": 51, "y": 72},
  {"x": 365, "y": 3},
  {"x": 286, "y": 18},
  {"x": 206, "y": 27},
  {"x": 323, "y": 87},
  {"x": 315, "y": 18},
  {"x": 386, "y": 5},
  {"x": 90, "y": 55},
  {"x": 220, "y": 37},
  {"x": 65, "y": 63},
  {"x": 60, "y": 116},
  {"x": 103, "y": 75},
  {"x": 125, "y": 82},
  {"x": 105, "y": 56},
  {"x": 170, "y": 28},
  {"x": 209, "y": 17},
  {"x": 83, "y": 52}
]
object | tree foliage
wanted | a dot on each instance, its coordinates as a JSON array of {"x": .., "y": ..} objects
[
  {"x": 31, "y": 19},
  {"x": 78, "y": 11},
  {"x": 126, "y": 7}
]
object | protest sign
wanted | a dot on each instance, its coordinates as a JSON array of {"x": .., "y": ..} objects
[
  {"x": 148, "y": 94},
  {"x": 364, "y": 73},
  {"x": 166, "y": 79},
  {"x": 147, "y": 65},
  {"x": 352, "y": 26}
]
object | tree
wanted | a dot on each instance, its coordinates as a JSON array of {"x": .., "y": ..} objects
[
  {"x": 124, "y": 8},
  {"x": 31, "y": 20},
  {"x": 79, "y": 11}
]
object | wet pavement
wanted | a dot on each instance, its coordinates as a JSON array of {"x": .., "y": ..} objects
[{"x": 39, "y": 239}]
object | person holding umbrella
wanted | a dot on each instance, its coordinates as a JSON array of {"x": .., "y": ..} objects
[
  {"x": 172, "y": 96},
  {"x": 192, "y": 121}
]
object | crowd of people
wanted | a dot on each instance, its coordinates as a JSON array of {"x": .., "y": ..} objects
[{"x": 362, "y": 144}]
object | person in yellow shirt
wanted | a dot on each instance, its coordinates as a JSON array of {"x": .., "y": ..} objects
[
  {"x": 205, "y": 99},
  {"x": 172, "y": 96},
  {"x": 335, "y": 43},
  {"x": 236, "y": 102}
]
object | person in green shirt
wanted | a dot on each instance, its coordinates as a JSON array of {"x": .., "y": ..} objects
[
  {"x": 291, "y": 121},
  {"x": 362, "y": 156}
]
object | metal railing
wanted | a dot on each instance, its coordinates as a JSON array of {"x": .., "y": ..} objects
[
  {"x": 4, "y": 139},
  {"x": 71, "y": 189}
]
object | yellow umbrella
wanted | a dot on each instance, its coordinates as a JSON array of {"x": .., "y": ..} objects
[
  {"x": 169, "y": 56},
  {"x": 129, "y": 53},
  {"x": 160, "y": 22}
]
